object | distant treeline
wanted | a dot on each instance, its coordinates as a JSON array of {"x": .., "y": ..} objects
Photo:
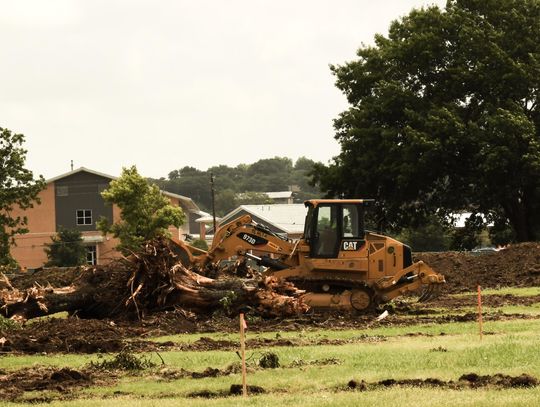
[{"x": 249, "y": 180}]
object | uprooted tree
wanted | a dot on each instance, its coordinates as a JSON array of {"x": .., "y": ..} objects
[{"x": 151, "y": 280}]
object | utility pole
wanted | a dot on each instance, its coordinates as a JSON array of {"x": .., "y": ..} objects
[{"x": 213, "y": 199}]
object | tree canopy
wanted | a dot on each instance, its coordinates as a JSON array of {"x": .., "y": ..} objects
[
  {"x": 444, "y": 117},
  {"x": 146, "y": 213},
  {"x": 18, "y": 189},
  {"x": 242, "y": 184}
]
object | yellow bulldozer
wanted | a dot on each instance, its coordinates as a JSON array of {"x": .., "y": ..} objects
[{"x": 337, "y": 262}]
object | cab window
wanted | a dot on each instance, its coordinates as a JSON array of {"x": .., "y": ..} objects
[
  {"x": 327, "y": 231},
  {"x": 352, "y": 222}
]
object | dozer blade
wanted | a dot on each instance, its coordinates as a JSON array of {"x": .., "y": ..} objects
[
  {"x": 416, "y": 277},
  {"x": 430, "y": 292}
]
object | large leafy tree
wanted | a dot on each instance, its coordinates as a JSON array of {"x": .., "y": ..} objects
[
  {"x": 145, "y": 212},
  {"x": 444, "y": 116},
  {"x": 18, "y": 189}
]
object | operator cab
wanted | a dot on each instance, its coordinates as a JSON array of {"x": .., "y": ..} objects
[{"x": 334, "y": 225}]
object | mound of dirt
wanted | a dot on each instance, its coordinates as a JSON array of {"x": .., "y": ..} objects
[
  {"x": 40, "y": 378},
  {"x": 499, "y": 380},
  {"x": 517, "y": 266},
  {"x": 71, "y": 335},
  {"x": 235, "y": 390},
  {"x": 466, "y": 381}
]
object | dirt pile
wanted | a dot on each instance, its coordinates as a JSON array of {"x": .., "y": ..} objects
[
  {"x": 235, "y": 390},
  {"x": 63, "y": 380},
  {"x": 70, "y": 335},
  {"x": 518, "y": 266},
  {"x": 466, "y": 381}
]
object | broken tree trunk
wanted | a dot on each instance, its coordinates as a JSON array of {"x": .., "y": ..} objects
[{"x": 150, "y": 281}]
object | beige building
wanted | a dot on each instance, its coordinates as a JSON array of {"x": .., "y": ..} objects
[{"x": 73, "y": 201}]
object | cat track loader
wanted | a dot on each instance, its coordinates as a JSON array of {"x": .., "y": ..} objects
[{"x": 337, "y": 262}]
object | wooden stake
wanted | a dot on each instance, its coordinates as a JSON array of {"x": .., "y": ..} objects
[
  {"x": 243, "y": 353},
  {"x": 480, "y": 311}
]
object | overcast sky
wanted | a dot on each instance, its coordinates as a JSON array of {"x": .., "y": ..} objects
[{"x": 165, "y": 84}]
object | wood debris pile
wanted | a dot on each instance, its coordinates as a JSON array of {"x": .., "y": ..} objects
[{"x": 149, "y": 281}]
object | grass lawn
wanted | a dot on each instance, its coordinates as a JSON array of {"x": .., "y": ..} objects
[{"x": 318, "y": 375}]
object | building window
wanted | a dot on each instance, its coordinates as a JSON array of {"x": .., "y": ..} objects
[
  {"x": 84, "y": 216},
  {"x": 91, "y": 255},
  {"x": 62, "y": 190}
]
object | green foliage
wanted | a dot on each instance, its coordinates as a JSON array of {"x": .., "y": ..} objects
[
  {"x": 18, "y": 189},
  {"x": 501, "y": 232},
  {"x": 468, "y": 237},
  {"x": 228, "y": 300},
  {"x": 226, "y": 201},
  {"x": 253, "y": 198},
  {"x": 6, "y": 323},
  {"x": 191, "y": 182},
  {"x": 125, "y": 360},
  {"x": 269, "y": 360},
  {"x": 270, "y": 174},
  {"x": 444, "y": 115},
  {"x": 434, "y": 236},
  {"x": 265, "y": 175},
  {"x": 66, "y": 249},
  {"x": 145, "y": 212},
  {"x": 199, "y": 244}
]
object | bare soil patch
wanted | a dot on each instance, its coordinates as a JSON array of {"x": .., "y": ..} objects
[
  {"x": 518, "y": 265},
  {"x": 60, "y": 380},
  {"x": 466, "y": 381},
  {"x": 235, "y": 390},
  {"x": 73, "y": 335},
  {"x": 70, "y": 335}
]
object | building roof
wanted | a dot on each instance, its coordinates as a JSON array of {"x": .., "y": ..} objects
[
  {"x": 81, "y": 169},
  {"x": 206, "y": 218},
  {"x": 187, "y": 202},
  {"x": 287, "y": 217},
  {"x": 279, "y": 194}
]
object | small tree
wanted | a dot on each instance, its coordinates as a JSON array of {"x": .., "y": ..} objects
[
  {"x": 200, "y": 244},
  {"x": 66, "y": 249},
  {"x": 18, "y": 189},
  {"x": 145, "y": 213}
]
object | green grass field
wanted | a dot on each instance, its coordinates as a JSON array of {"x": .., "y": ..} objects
[{"x": 318, "y": 375}]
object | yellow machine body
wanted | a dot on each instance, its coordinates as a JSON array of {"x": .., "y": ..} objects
[{"x": 337, "y": 262}]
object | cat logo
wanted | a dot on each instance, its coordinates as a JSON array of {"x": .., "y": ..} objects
[{"x": 351, "y": 245}]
